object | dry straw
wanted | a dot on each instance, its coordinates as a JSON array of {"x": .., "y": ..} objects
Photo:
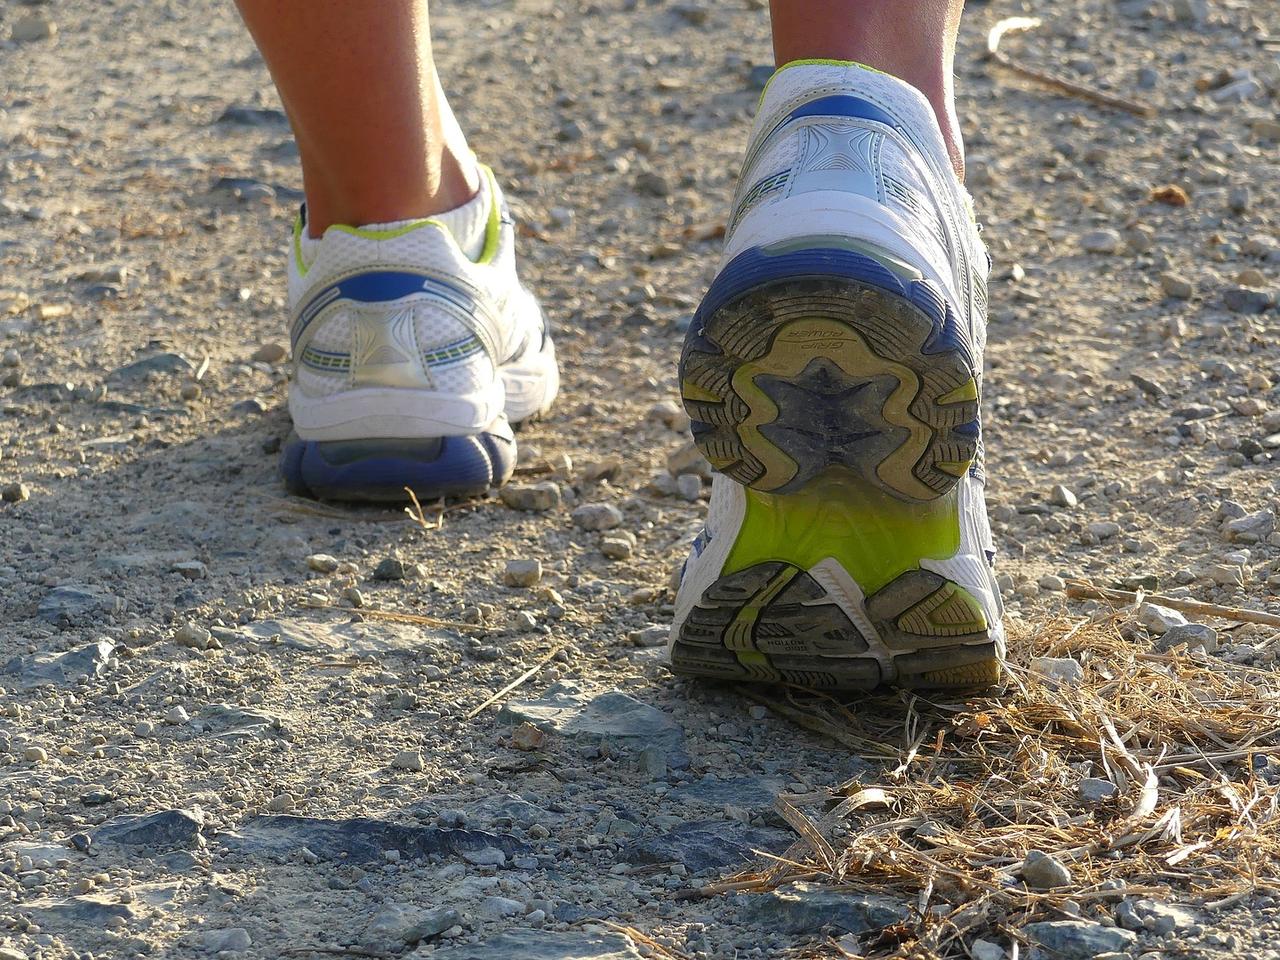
[{"x": 972, "y": 786}]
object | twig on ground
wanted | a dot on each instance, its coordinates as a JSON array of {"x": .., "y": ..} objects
[
  {"x": 417, "y": 516},
  {"x": 1054, "y": 80},
  {"x": 516, "y": 682},
  {"x": 372, "y": 613},
  {"x": 1080, "y": 590},
  {"x": 639, "y": 938}
]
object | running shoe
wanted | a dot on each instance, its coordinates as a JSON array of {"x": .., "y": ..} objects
[
  {"x": 411, "y": 358},
  {"x": 832, "y": 375}
]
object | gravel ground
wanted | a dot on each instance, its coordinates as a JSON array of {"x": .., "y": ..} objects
[{"x": 206, "y": 749}]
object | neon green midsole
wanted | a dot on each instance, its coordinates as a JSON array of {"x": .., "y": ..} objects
[{"x": 873, "y": 535}]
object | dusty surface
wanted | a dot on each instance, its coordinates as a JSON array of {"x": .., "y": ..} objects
[{"x": 154, "y": 512}]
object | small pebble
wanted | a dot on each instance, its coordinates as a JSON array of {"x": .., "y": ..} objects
[
  {"x": 1043, "y": 872},
  {"x": 408, "y": 760},
  {"x": 322, "y": 563},
  {"x": 522, "y": 573}
]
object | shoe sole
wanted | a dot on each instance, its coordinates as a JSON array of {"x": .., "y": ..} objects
[
  {"x": 843, "y": 397},
  {"x": 379, "y": 470}
]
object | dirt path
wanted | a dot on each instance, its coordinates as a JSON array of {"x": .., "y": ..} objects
[{"x": 310, "y": 777}]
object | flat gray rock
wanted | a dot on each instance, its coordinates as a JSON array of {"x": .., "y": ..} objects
[
  {"x": 360, "y": 840},
  {"x": 753, "y": 794},
  {"x": 612, "y": 716},
  {"x": 71, "y": 604},
  {"x": 1079, "y": 939},
  {"x": 158, "y": 363},
  {"x": 708, "y": 845},
  {"x": 96, "y": 911},
  {"x": 227, "y": 722},
  {"x": 542, "y": 945},
  {"x": 350, "y": 637},
  {"x": 810, "y": 908},
  {"x": 165, "y": 828},
  {"x": 61, "y": 668}
]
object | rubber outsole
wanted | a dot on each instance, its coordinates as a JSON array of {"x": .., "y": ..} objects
[
  {"x": 843, "y": 397},
  {"x": 378, "y": 471},
  {"x": 803, "y": 373}
]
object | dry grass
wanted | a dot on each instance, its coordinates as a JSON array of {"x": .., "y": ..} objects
[{"x": 973, "y": 786}]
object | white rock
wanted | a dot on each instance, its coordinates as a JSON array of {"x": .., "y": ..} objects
[
  {"x": 1100, "y": 241},
  {"x": 322, "y": 563},
  {"x": 986, "y": 950},
  {"x": 408, "y": 760},
  {"x": 1043, "y": 872},
  {"x": 1062, "y": 670},
  {"x": 176, "y": 716},
  {"x": 597, "y": 516},
  {"x": 1103, "y": 529},
  {"x": 1158, "y": 619},
  {"x": 522, "y": 573}
]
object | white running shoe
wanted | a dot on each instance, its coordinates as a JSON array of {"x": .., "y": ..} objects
[
  {"x": 411, "y": 360},
  {"x": 832, "y": 374}
]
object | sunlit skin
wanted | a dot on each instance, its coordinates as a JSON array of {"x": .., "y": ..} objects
[{"x": 378, "y": 141}]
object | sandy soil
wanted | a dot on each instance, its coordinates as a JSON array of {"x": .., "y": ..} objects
[{"x": 313, "y": 775}]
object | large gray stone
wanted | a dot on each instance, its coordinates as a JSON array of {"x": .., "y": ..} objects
[
  {"x": 403, "y": 923},
  {"x": 1079, "y": 939},
  {"x": 95, "y": 911},
  {"x": 543, "y": 945},
  {"x": 753, "y": 794},
  {"x": 61, "y": 668},
  {"x": 359, "y": 840},
  {"x": 72, "y": 603},
  {"x": 168, "y": 364},
  {"x": 614, "y": 717},
  {"x": 707, "y": 845},
  {"x": 165, "y": 828},
  {"x": 809, "y": 908}
]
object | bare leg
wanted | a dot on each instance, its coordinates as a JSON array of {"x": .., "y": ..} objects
[
  {"x": 915, "y": 40},
  {"x": 376, "y": 136}
]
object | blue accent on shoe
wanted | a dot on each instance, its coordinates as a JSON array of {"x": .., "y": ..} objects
[
  {"x": 842, "y": 105},
  {"x": 380, "y": 286},
  {"x": 970, "y": 429},
  {"x": 757, "y": 266},
  {"x": 379, "y": 470},
  {"x": 700, "y": 541}
]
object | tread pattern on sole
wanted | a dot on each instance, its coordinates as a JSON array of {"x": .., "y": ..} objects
[
  {"x": 774, "y": 622},
  {"x": 839, "y": 365}
]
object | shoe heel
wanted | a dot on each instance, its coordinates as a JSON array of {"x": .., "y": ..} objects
[
  {"x": 808, "y": 360},
  {"x": 379, "y": 470}
]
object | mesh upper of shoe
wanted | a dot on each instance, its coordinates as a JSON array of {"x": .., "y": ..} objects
[
  {"x": 460, "y": 332},
  {"x": 892, "y": 152}
]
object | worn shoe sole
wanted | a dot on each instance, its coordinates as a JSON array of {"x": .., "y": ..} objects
[{"x": 838, "y": 388}]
